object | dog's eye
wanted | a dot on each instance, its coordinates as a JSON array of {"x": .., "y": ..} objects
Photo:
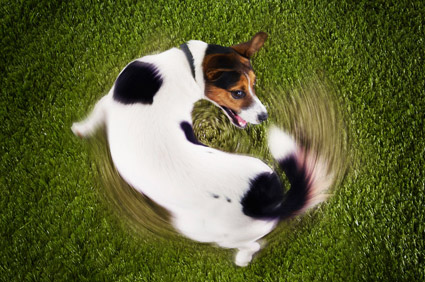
[{"x": 238, "y": 94}]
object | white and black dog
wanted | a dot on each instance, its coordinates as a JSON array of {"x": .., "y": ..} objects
[{"x": 228, "y": 199}]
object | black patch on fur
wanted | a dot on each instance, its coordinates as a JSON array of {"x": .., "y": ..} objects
[
  {"x": 227, "y": 79},
  {"x": 223, "y": 62},
  {"x": 190, "y": 135},
  {"x": 264, "y": 197},
  {"x": 138, "y": 83},
  {"x": 215, "y": 196},
  {"x": 217, "y": 49},
  {"x": 296, "y": 197},
  {"x": 228, "y": 200},
  {"x": 289, "y": 166}
]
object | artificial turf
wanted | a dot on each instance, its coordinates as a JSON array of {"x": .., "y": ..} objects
[{"x": 59, "y": 57}]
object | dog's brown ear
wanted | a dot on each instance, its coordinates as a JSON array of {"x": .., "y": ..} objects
[
  {"x": 213, "y": 74},
  {"x": 248, "y": 49}
]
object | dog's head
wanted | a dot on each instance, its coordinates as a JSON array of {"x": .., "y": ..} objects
[{"x": 230, "y": 80}]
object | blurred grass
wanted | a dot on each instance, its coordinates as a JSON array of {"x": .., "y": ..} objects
[{"x": 57, "y": 58}]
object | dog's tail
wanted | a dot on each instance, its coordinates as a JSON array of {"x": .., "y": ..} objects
[{"x": 306, "y": 171}]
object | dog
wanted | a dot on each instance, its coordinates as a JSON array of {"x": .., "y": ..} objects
[{"x": 216, "y": 197}]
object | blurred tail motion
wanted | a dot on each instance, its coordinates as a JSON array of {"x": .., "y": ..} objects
[{"x": 306, "y": 171}]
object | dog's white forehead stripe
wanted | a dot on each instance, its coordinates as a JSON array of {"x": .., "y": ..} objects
[
  {"x": 251, "y": 91},
  {"x": 256, "y": 104}
]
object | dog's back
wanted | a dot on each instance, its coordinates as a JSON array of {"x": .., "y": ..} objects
[{"x": 152, "y": 151}]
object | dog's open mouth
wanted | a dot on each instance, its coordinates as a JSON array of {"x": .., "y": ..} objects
[{"x": 236, "y": 120}]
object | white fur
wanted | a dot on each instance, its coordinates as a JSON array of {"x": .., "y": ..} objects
[
  {"x": 152, "y": 154},
  {"x": 281, "y": 144},
  {"x": 251, "y": 114}
]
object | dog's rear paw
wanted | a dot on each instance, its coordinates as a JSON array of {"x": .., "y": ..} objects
[
  {"x": 243, "y": 258},
  {"x": 244, "y": 255}
]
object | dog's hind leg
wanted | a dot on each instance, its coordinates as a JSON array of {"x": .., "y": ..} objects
[
  {"x": 96, "y": 118},
  {"x": 245, "y": 253}
]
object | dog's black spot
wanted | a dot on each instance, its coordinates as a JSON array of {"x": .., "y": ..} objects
[
  {"x": 264, "y": 197},
  {"x": 227, "y": 79},
  {"x": 291, "y": 169},
  {"x": 224, "y": 62},
  {"x": 217, "y": 49},
  {"x": 297, "y": 196},
  {"x": 215, "y": 196},
  {"x": 228, "y": 200},
  {"x": 137, "y": 83},
  {"x": 188, "y": 132}
]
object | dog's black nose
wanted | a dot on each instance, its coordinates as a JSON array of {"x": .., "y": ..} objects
[{"x": 262, "y": 117}]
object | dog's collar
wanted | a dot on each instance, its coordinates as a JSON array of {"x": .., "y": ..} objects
[{"x": 189, "y": 58}]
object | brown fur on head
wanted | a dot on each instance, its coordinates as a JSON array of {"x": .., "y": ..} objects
[{"x": 229, "y": 77}]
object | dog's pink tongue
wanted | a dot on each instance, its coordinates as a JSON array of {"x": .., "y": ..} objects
[{"x": 241, "y": 121}]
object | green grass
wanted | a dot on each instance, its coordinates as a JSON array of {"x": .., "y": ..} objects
[{"x": 58, "y": 58}]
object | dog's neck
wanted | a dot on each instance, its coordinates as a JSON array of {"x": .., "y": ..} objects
[{"x": 195, "y": 53}]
